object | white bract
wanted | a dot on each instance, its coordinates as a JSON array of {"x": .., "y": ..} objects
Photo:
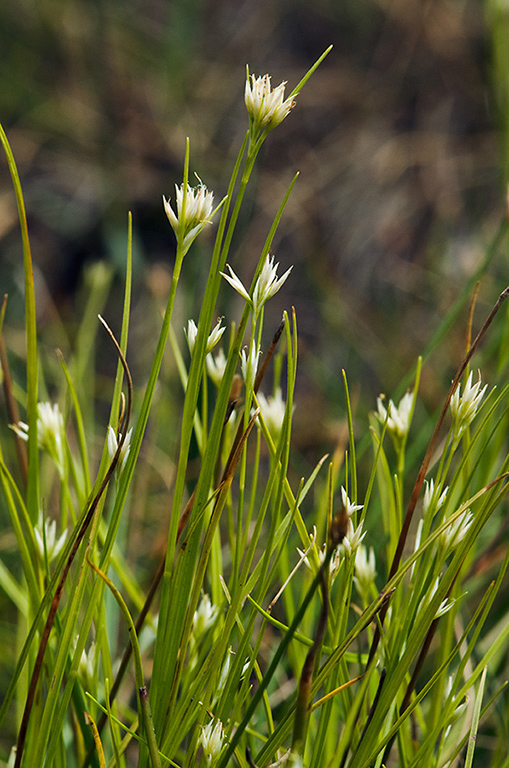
[
  {"x": 397, "y": 418},
  {"x": 191, "y": 331},
  {"x": 266, "y": 106},
  {"x": 464, "y": 407},
  {"x": 211, "y": 738},
  {"x": 192, "y": 213}
]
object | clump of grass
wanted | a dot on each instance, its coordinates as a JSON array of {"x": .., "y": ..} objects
[{"x": 336, "y": 621}]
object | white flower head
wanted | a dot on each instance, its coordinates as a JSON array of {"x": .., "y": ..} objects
[
  {"x": 249, "y": 364},
  {"x": 46, "y": 532},
  {"x": 433, "y": 498},
  {"x": 457, "y": 531},
  {"x": 193, "y": 213},
  {"x": 365, "y": 569},
  {"x": 349, "y": 507},
  {"x": 398, "y": 419},
  {"x": 273, "y": 410},
  {"x": 204, "y": 617},
  {"x": 113, "y": 441},
  {"x": 353, "y": 538},
  {"x": 464, "y": 407},
  {"x": 215, "y": 366},
  {"x": 213, "y": 337},
  {"x": 334, "y": 563},
  {"x": 211, "y": 738},
  {"x": 446, "y": 604},
  {"x": 266, "y": 106},
  {"x": 50, "y": 432},
  {"x": 266, "y": 285}
]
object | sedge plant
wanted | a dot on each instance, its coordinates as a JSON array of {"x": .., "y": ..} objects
[{"x": 343, "y": 619}]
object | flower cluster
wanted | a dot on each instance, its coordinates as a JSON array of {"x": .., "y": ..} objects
[
  {"x": 204, "y": 617},
  {"x": 433, "y": 498},
  {"x": 46, "y": 538},
  {"x": 464, "y": 407},
  {"x": 396, "y": 418},
  {"x": 194, "y": 211},
  {"x": 214, "y": 336},
  {"x": 273, "y": 411},
  {"x": 249, "y": 365},
  {"x": 365, "y": 570},
  {"x": 457, "y": 530},
  {"x": 215, "y": 366},
  {"x": 349, "y": 544},
  {"x": 266, "y": 106},
  {"x": 211, "y": 739},
  {"x": 50, "y": 433},
  {"x": 266, "y": 285}
]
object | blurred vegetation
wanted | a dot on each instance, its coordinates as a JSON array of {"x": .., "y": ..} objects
[{"x": 401, "y": 178}]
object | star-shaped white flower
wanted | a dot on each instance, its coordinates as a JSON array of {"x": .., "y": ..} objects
[
  {"x": 349, "y": 507},
  {"x": 214, "y": 336},
  {"x": 265, "y": 287}
]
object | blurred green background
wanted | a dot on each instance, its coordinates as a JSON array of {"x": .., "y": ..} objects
[{"x": 399, "y": 139}]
